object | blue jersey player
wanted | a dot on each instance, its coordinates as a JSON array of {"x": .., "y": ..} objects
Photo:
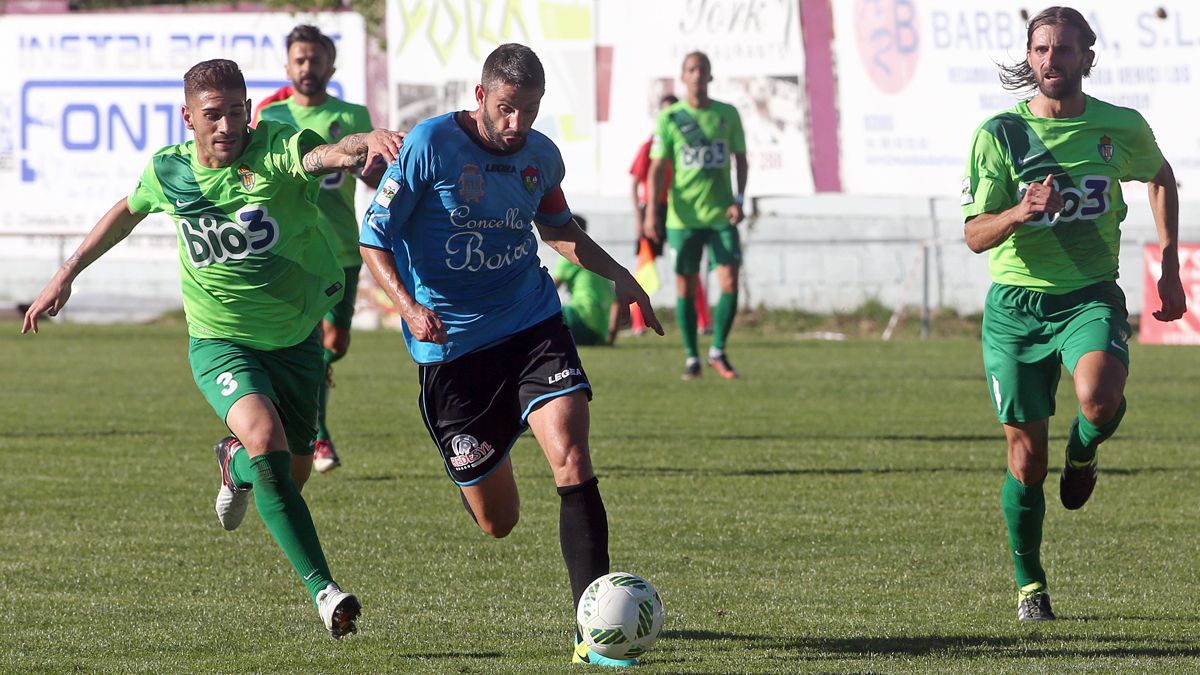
[{"x": 450, "y": 238}]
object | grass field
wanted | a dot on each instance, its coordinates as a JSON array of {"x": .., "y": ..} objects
[{"x": 836, "y": 510}]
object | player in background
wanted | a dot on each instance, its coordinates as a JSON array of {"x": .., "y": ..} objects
[
  {"x": 257, "y": 274},
  {"x": 640, "y": 171},
  {"x": 592, "y": 314},
  {"x": 307, "y": 104},
  {"x": 1042, "y": 193},
  {"x": 699, "y": 136},
  {"x": 450, "y": 238}
]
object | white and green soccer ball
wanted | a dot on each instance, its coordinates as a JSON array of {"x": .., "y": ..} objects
[{"x": 620, "y": 616}]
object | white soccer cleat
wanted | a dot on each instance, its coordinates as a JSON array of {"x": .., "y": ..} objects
[
  {"x": 339, "y": 611},
  {"x": 325, "y": 458},
  {"x": 231, "y": 499}
]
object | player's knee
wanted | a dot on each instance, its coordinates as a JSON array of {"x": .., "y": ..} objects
[
  {"x": 573, "y": 466},
  {"x": 1100, "y": 407},
  {"x": 497, "y": 525},
  {"x": 1027, "y": 463}
]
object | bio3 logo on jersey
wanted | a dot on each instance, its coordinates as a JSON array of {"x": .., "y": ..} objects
[
  {"x": 209, "y": 241},
  {"x": 712, "y": 156},
  {"x": 1086, "y": 202}
]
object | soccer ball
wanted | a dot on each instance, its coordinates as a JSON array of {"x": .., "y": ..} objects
[{"x": 620, "y": 615}]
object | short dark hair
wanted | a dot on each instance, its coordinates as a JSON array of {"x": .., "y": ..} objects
[
  {"x": 1019, "y": 76},
  {"x": 312, "y": 35},
  {"x": 668, "y": 99},
  {"x": 700, "y": 55},
  {"x": 515, "y": 65},
  {"x": 213, "y": 75}
]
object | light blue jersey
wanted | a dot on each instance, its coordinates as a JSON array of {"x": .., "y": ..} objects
[{"x": 459, "y": 220}]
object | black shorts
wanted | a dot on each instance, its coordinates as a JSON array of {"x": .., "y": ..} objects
[
  {"x": 476, "y": 406},
  {"x": 655, "y": 247}
]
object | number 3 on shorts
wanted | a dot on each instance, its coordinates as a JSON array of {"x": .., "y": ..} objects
[{"x": 226, "y": 380}]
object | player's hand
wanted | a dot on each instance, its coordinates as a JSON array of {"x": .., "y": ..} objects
[
  {"x": 1041, "y": 198},
  {"x": 735, "y": 214},
  {"x": 49, "y": 301},
  {"x": 424, "y": 325},
  {"x": 383, "y": 147},
  {"x": 629, "y": 291},
  {"x": 650, "y": 225},
  {"x": 1170, "y": 293}
]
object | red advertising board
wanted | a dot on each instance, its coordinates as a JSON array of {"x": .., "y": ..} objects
[{"x": 1185, "y": 331}]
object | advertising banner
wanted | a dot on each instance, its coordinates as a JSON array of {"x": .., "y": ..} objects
[
  {"x": 85, "y": 100},
  {"x": 757, "y": 59},
  {"x": 916, "y": 77},
  {"x": 1185, "y": 331}
]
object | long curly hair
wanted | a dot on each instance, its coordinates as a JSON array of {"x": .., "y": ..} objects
[{"x": 1019, "y": 76}]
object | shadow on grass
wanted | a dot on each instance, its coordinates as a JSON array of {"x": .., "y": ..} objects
[
  {"x": 617, "y": 470},
  {"x": 958, "y": 646},
  {"x": 454, "y": 655}
]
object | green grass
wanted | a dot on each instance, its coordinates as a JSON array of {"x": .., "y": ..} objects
[{"x": 836, "y": 510}]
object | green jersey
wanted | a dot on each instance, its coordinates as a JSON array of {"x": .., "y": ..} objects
[
  {"x": 332, "y": 120},
  {"x": 1089, "y": 155},
  {"x": 592, "y": 296},
  {"x": 256, "y": 269},
  {"x": 700, "y": 141}
]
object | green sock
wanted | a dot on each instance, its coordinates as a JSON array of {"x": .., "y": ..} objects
[
  {"x": 1024, "y": 510},
  {"x": 287, "y": 518},
  {"x": 323, "y": 402},
  {"x": 1085, "y": 437},
  {"x": 685, "y": 315},
  {"x": 240, "y": 470},
  {"x": 723, "y": 319}
]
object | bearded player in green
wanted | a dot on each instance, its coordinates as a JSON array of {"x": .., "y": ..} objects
[
  {"x": 258, "y": 274},
  {"x": 701, "y": 136},
  {"x": 1042, "y": 192},
  {"x": 307, "y": 105}
]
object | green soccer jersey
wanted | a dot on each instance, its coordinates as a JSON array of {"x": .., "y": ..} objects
[
  {"x": 1089, "y": 155},
  {"x": 332, "y": 120},
  {"x": 592, "y": 296},
  {"x": 256, "y": 269},
  {"x": 700, "y": 141}
]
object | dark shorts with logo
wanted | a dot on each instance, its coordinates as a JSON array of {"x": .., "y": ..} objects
[{"x": 476, "y": 406}]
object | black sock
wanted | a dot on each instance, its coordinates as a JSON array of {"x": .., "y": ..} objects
[{"x": 583, "y": 534}]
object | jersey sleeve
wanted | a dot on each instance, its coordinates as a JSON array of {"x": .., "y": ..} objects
[
  {"x": 287, "y": 148},
  {"x": 399, "y": 192},
  {"x": 737, "y": 135},
  {"x": 987, "y": 184},
  {"x": 148, "y": 196},
  {"x": 1145, "y": 157},
  {"x": 660, "y": 145},
  {"x": 553, "y": 209}
]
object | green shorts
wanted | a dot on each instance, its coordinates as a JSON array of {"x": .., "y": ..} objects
[
  {"x": 687, "y": 247},
  {"x": 1029, "y": 335},
  {"x": 291, "y": 377},
  {"x": 342, "y": 313}
]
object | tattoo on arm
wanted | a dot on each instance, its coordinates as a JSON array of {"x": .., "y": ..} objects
[
  {"x": 314, "y": 160},
  {"x": 350, "y": 152}
]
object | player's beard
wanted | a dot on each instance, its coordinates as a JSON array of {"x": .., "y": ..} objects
[
  {"x": 311, "y": 86},
  {"x": 1067, "y": 85},
  {"x": 496, "y": 138}
]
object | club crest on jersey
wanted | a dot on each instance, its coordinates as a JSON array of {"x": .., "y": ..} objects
[
  {"x": 335, "y": 131},
  {"x": 470, "y": 183},
  {"x": 1105, "y": 148},
  {"x": 247, "y": 177},
  {"x": 531, "y": 178}
]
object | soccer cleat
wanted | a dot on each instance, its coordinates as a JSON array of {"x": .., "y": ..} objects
[
  {"x": 720, "y": 363},
  {"x": 231, "y": 499},
  {"x": 582, "y": 654},
  {"x": 1076, "y": 482},
  {"x": 325, "y": 458},
  {"x": 691, "y": 370},
  {"x": 339, "y": 611},
  {"x": 1033, "y": 604}
]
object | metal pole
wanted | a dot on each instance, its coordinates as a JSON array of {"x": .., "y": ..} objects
[{"x": 925, "y": 290}]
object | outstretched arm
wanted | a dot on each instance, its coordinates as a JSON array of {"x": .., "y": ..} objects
[
  {"x": 112, "y": 228},
  {"x": 367, "y": 152},
  {"x": 575, "y": 245},
  {"x": 1164, "y": 204}
]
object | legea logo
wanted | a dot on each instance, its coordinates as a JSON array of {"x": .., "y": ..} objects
[
  {"x": 888, "y": 41},
  {"x": 210, "y": 241}
]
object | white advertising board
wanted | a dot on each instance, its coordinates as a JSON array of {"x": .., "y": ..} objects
[
  {"x": 85, "y": 100},
  {"x": 436, "y": 52},
  {"x": 916, "y": 77},
  {"x": 757, "y": 56}
]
